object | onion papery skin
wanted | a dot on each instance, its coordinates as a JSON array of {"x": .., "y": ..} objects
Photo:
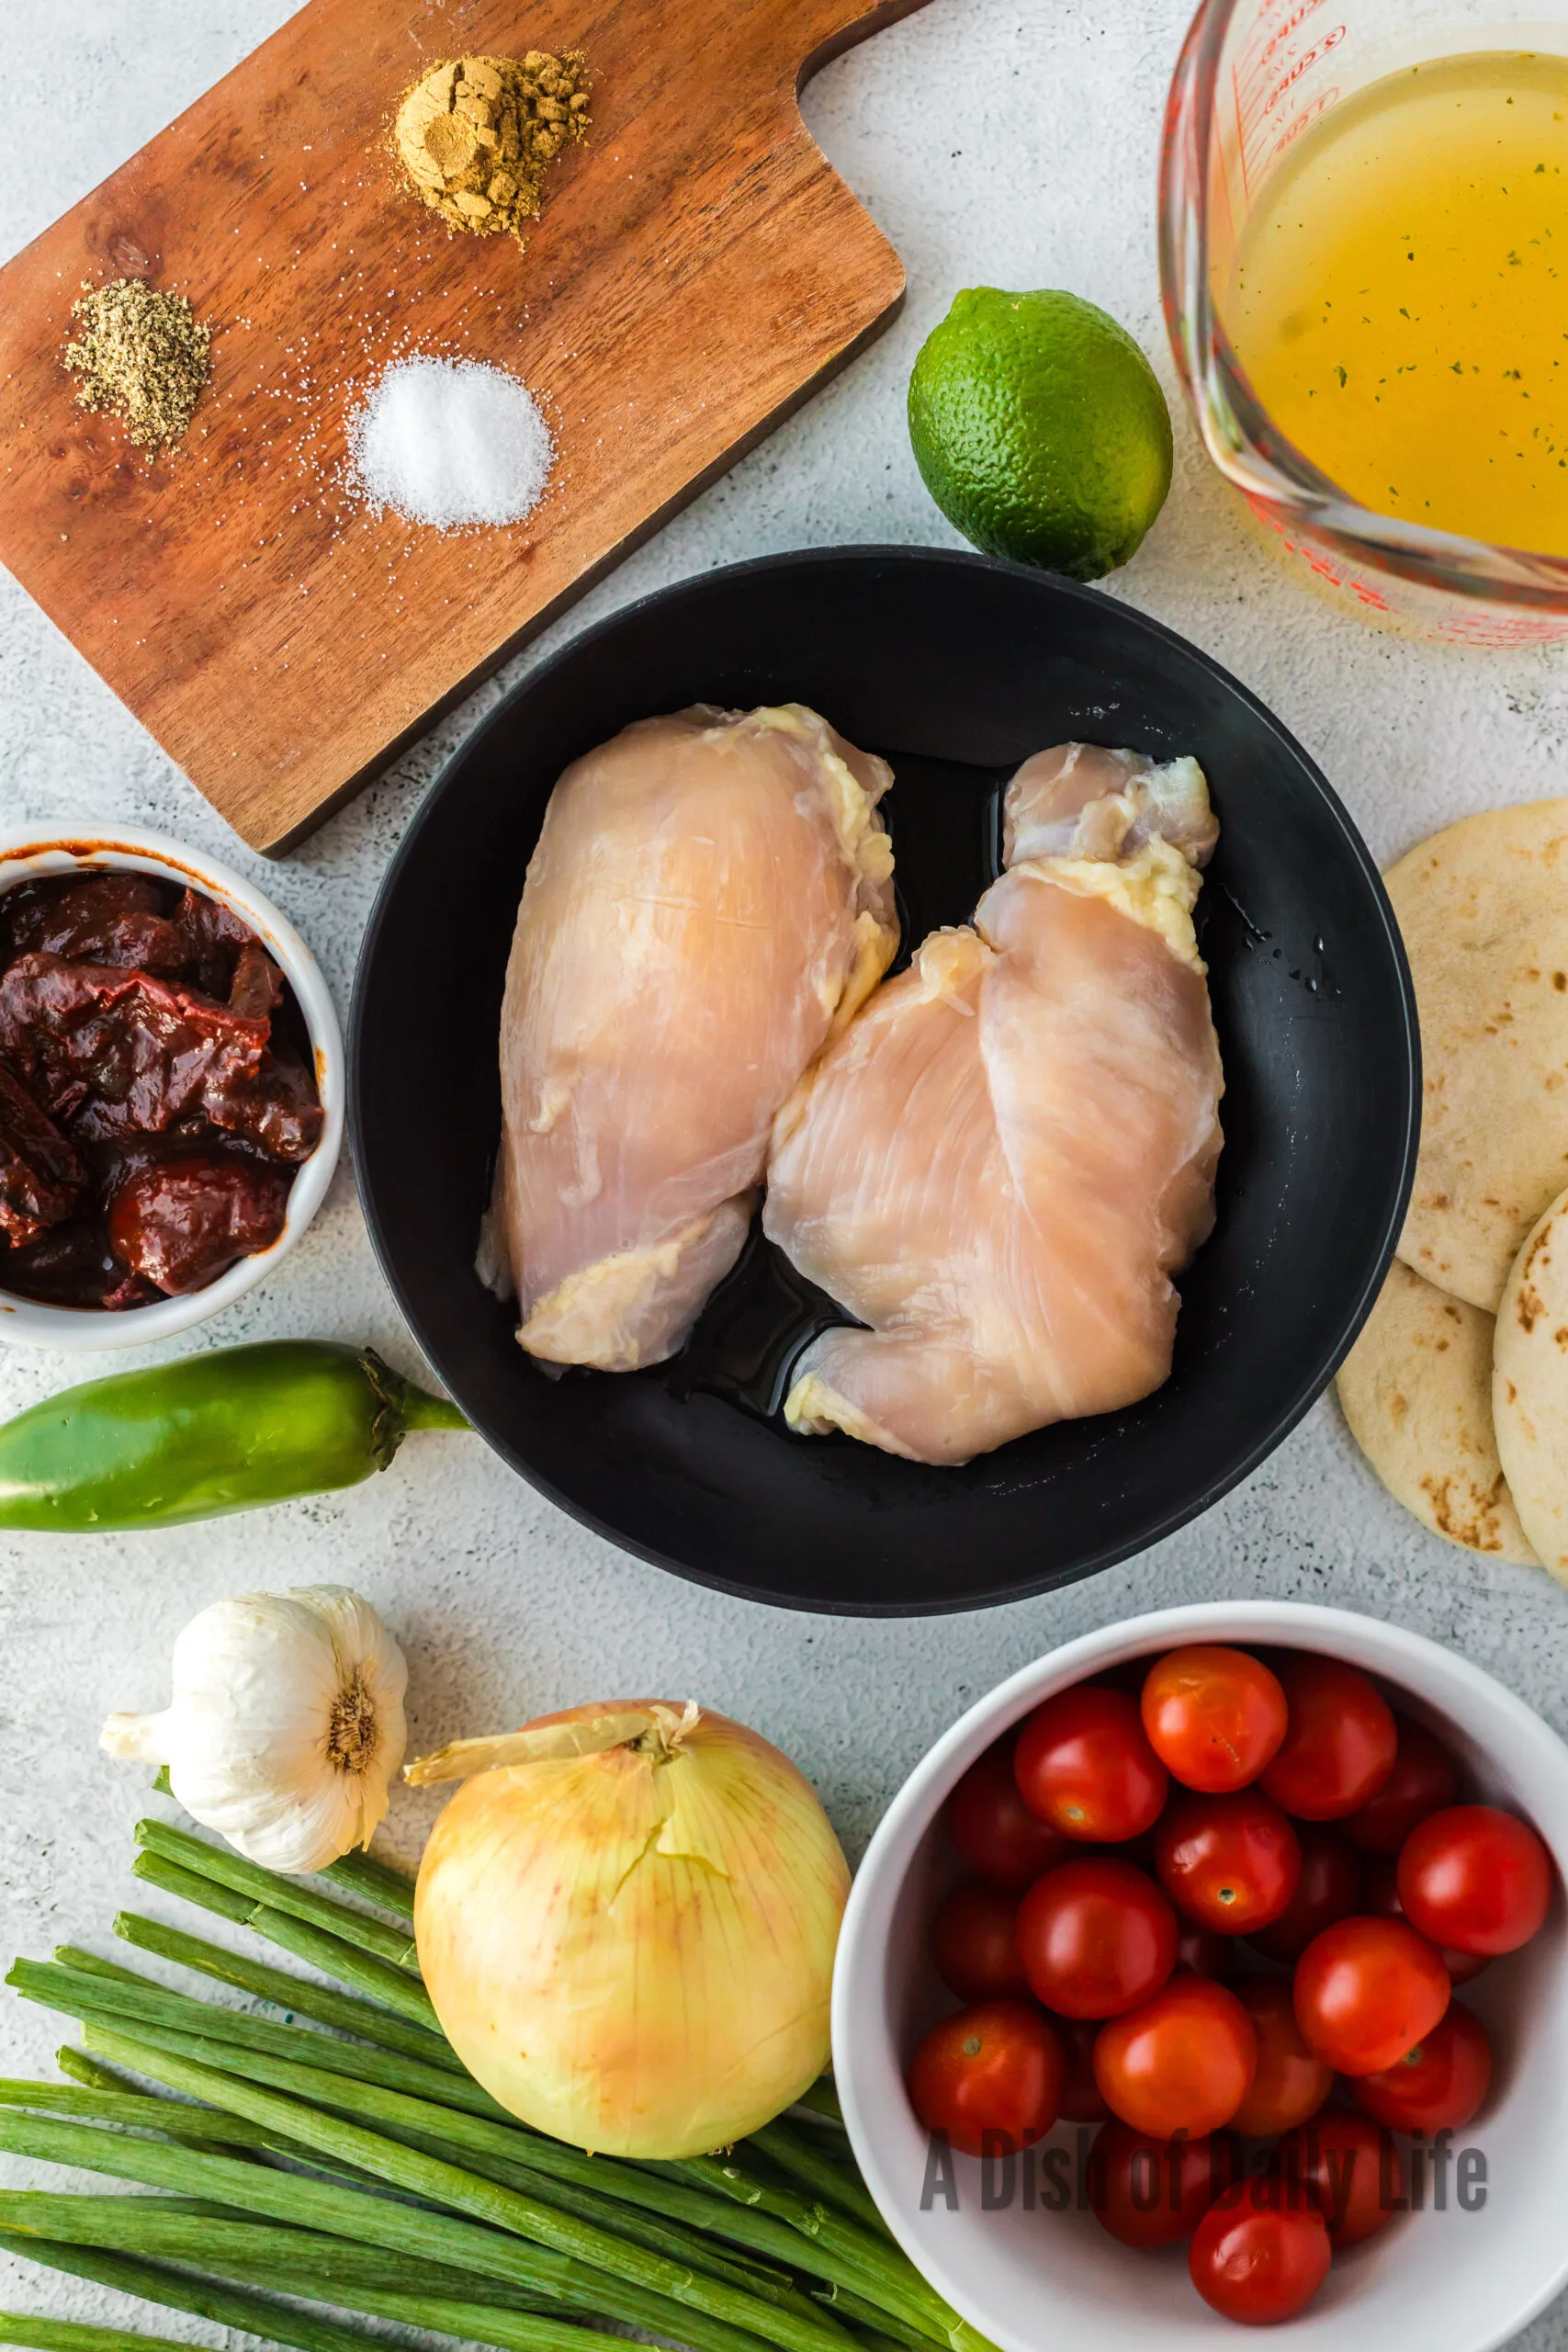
[{"x": 636, "y": 1955}]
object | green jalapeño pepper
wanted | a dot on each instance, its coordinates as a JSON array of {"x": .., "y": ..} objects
[{"x": 227, "y": 1432}]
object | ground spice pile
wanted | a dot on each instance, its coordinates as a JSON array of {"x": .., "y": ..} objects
[
  {"x": 141, "y": 354},
  {"x": 476, "y": 134}
]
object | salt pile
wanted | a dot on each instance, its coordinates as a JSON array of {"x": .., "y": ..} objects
[{"x": 451, "y": 443}]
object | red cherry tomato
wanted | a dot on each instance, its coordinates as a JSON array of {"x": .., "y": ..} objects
[
  {"x": 989, "y": 2078},
  {"x": 994, "y": 1831},
  {"x": 1081, "y": 2102},
  {"x": 1289, "y": 2082},
  {"x": 1423, "y": 1779},
  {"x": 1214, "y": 1717},
  {"x": 1182, "y": 2061},
  {"x": 1366, "y": 1991},
  {"x": 1380, "y": 1898},
  {"x": 1339, "y": 1747},
  {"x": 975, "y": 1944},
  {"x": 1154, "y": 2192},
  {"x": 1096, "y": 1937},
  {"x": 1329, "y": 1888},
  {"x": 1085, "y": 1766},
  {"x": 1476, "y": 1879},
  {"x": 1231, "y": 1863},
  {"x": 1206, "y": 1954},
  {"x": 1351, "y": 2169},
  {"x": 1258, "y": 2256},
  {"x": 1441, "y": 2084}
]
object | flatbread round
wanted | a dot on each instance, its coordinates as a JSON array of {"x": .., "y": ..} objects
[
  {"x": 1483, "y": 908},
  {"x": 1529, "y": 1394},
  {"x": 1417, "y": 1390}
]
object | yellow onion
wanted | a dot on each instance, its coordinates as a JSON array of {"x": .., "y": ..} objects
[{"x": 627, "y": 1920}]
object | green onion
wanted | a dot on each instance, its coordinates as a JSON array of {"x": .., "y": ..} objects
[
  {"x": 867, "y": 2315},
  {"x": 376, "y": 1882},
  {"x": 138, "y": 2112},
  {"x": 76, "y": 1994},
  {"x": 287, "y": 2324},
  {"x": 374, "y": 2221},
  {"x": 843, "y": 2252},
  {"x": 340, "y": 2011},
  {"x": 866, "y": 2264},
  {"x": 395, "y": 1988},
  {"x": 468, "y": 2192},
  {"x": 793, "y": 2153},
  {"x": 226, "y": 2305},
  {"x": 161, "y": 2228},
  {"x": 277, "y": 1893},
  {"x": 822, "y": 2100}
]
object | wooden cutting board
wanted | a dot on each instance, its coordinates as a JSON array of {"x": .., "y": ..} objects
[{"x": 698, "y": 269}]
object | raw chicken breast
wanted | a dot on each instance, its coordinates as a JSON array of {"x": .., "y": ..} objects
[
  {"x": 1009, "y": 1153},
  {"x": 710, "y": 899},
  {"x": 1080, "y": 801}
]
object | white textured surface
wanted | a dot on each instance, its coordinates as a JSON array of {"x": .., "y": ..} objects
[{"x": 1012, "y": 141}]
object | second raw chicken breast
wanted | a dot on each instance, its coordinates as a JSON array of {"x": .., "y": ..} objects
[
  {"x": 710, "y": 899},
  {"x": 1003, "y": 1160}
]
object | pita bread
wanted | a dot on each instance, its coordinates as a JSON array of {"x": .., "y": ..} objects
[
  {"x": 1529, "y": 1398},
  {"x": 1417, "y": 1390},
  {"x": 1483, "y": 908}
]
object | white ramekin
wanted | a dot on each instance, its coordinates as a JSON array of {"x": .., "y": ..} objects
[
  {"x": 1450, "y": 2281},
  {"x": 60, "y": 848}
]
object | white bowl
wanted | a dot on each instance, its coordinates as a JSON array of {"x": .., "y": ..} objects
[
  {"x": 61, "y": 849},
  {"x": 1448, "y": 2282}
]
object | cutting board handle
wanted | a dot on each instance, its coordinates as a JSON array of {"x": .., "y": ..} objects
[{"x": 813, "y": 31}]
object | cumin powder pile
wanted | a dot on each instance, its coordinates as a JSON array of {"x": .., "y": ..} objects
[
  {"x": 476, "y": 135},
  {"x": 141, "y": 354}
]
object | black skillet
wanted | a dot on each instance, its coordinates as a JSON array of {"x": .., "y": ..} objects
[{"x": 954, "y": 667}]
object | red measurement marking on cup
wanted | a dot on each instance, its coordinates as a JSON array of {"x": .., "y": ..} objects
[{"x": 1287, "y": 41}]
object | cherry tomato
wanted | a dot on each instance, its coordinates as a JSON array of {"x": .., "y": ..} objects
[
  {"x": 1441, "y": 2082},
  {"x": 975, "y": 1944},
  {"x": 1329, "y": 1888},
  {"x": 1182, "y": 2061},
  {"x": 1349, "y": 2167},
  {"x": 1258, "y": 2256},
  {"x": 1154, "y": 2192},
  {"x": 1380, "y": 1898},
  {"x": 1423, "y": 1779},
  {"x": 989, "y": 2078},
  {"x": 1085, "y": 1766},
  {"x": 1476, "y": 1879},
  {"x": 994, "y": 1831},
  {"x": 1366, "y": 1991},
  {"x": 1231, "y": 1863},
  {"x": 1339, "y": 1747},
  {"x": 1081, "y": 2102},
  {"x": 1096, "y": 1937},
  {"x": 1206, "y": 1954},
  {"x": 1290, "y": 2083},
  {"x": 1214, "y": 1717}
]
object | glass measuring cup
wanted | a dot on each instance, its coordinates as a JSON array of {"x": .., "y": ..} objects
[{"x": 1253, "y": 75}]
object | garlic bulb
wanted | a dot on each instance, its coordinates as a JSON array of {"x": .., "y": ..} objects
[{"x": 286, "y": 1726}]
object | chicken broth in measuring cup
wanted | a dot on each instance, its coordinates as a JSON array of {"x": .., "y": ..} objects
[{"x": 1397, "y": 297}]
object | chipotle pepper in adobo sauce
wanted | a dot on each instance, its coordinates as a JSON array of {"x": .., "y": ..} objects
[{"x": 156, "y": 1090}]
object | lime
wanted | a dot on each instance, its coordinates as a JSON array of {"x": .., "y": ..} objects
[{"x": 1040, "y": 430}]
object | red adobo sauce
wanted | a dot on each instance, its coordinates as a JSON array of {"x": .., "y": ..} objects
[{"x": 156, "y": 1090}]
